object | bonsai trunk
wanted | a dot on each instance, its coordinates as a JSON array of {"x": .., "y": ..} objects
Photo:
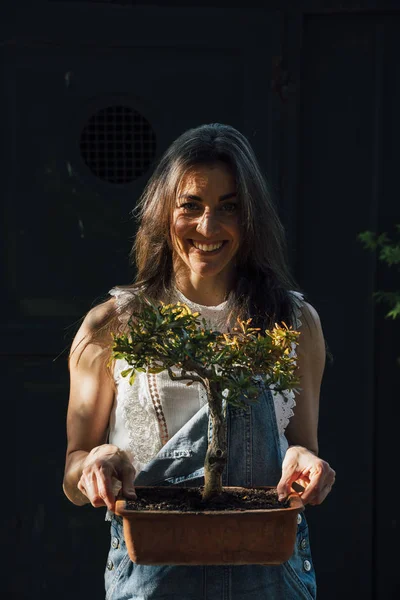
[{"x": 216, "y": 455}]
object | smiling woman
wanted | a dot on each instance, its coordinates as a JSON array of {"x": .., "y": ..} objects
[
  {"x": 205, "y": 233},
  {"x": 199, "y": 169},
  {"x": 209, "y": 236}
]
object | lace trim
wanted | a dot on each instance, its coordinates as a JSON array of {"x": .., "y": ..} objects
[
  {"x": 123, "y": 298},
  {"x": 215, "y": 316},
  {"x": 298, "y": 300},
  {"x": 284, "y": 404},
  {"x": 285, "y": 400},
  {"x": 139, "y": 417},
  {"x": 200, "y": 307},
  {"x": 156, "y": 399},
  {"x": 142, "y": 420}
]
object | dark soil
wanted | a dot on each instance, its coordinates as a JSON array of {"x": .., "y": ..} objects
[{"x": 189, "y": 499}]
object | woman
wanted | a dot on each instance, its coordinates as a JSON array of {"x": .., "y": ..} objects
[{"x": 209, "y": 236}]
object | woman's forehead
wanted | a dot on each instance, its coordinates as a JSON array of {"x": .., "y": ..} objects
[{"x": 199, "y": 176}]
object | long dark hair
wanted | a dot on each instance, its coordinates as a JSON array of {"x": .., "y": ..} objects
[{"x": 263, "y": 276}]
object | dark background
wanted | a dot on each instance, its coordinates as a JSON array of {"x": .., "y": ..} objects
[{"x": 315, "y": 86}]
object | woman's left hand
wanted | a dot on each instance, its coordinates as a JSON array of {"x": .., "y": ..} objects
[{"x": 308, "y": 470}]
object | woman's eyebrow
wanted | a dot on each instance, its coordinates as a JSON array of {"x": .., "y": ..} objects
[{"x": 221, "y": 198}]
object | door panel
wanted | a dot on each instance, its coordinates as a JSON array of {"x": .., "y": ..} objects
[{"x": 348, "y": 158}]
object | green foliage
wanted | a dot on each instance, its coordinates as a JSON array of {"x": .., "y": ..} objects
[
  {"x": 163, "y": 336},
  {"x": 388, "y": 252}
]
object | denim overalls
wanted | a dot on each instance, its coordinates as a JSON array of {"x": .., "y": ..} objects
[{"x": 254, "y": 458}]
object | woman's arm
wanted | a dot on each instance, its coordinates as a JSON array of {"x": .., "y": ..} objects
[
  {"x": 90, "y": 462},
  {"x": 301, "y": 463},
  {"x": 302, "y": 429}
]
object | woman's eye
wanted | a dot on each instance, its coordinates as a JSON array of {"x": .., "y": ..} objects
[
  {"x": 229, "y": 207},
  {"x": 189, "y": 206}
]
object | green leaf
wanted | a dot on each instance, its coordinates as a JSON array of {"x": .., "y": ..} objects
[
  {"x": 368, "y": 239},
  {"x": 126, "y": 372},
  {"x": 155, "y": 370},
  {"x": 390, "y": 254},
  {"x": 395, "y": 312}
]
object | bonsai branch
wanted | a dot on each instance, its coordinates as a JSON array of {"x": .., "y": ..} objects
[{"x": 184, "y": 375}]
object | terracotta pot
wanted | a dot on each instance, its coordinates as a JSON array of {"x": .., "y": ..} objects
[{"x": 211, "y": 538}]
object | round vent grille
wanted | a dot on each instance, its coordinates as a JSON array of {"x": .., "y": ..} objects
[{"x": 118, "y": 144}]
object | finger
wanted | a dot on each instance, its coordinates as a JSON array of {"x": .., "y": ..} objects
[
  {"x": 311, "y": 492},
  {"x": 82, "y": 488},
  {"x": 320, "y": 496},
  {"x": 316, "y": 494},
  {"x": 89, "y": 484},
  {"x": 320, "y": 476},
  {"x": 289, "y": 475},
  {"x": 128, "y": 488},
  {"x": 106, "y": 494}
]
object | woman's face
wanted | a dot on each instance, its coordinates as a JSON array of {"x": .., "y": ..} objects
[{"x": 205, "y": 222}]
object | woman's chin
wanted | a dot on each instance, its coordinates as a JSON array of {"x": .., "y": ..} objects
[{"x": 207, "y": 270}]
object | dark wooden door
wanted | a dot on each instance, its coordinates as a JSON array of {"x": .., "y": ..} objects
[{"x": 345, "y": 170}]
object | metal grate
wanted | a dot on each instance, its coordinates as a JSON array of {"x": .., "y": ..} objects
[{"x": 118, "y": 144}]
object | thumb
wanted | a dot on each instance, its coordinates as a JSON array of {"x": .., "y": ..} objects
[
  {"x": 284, "y": 486},
  {"x": 283, "y": 489}
]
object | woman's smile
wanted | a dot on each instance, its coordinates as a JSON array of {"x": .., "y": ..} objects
[
  {"x": 205, "y": 224},
  {"x": 207, "y": 247}
]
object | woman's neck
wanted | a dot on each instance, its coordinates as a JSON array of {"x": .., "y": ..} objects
[{"x": 202, "y": 291}]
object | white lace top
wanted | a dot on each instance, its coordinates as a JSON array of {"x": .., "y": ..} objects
[{"x": 148, "y": 413}]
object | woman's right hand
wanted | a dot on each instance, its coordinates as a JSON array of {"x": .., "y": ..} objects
[{"x": 101, "y": 467}]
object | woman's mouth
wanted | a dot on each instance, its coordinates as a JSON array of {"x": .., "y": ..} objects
[{"x": 208, "y": 248}]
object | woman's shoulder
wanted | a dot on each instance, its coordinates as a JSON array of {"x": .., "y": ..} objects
[
  {"x": 100, "y": 314},
  {"x": 107, "y": 312},
  {"x": 125, "y": 299},
  {"x": 123, "y": 294},
  {"x": 303, "y": 310},
  {"x": 92, "y": 335}
]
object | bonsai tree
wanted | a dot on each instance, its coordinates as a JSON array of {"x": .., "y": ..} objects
[{"x": 160, "y": 337}]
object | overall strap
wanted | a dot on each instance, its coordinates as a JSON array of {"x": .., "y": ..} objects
[{"x": 254, "y": 455}]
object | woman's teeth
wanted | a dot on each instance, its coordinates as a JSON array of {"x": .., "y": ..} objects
[{"x": 207, "y": 247}]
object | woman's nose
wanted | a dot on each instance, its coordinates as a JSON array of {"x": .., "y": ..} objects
[{"x": 208, "y": 225}]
